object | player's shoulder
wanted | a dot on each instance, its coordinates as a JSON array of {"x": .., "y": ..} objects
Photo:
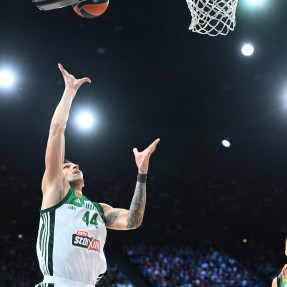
[
  {"x": 105, "y": 205},
  {"x": 106, "y": 208}
]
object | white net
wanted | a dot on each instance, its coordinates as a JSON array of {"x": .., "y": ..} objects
[{"x": 212, "y": 17}]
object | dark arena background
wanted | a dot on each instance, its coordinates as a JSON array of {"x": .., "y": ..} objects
[{"x": 215, "y": 215}]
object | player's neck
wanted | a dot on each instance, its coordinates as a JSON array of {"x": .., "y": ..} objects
[{"x": 77, "y": 187}]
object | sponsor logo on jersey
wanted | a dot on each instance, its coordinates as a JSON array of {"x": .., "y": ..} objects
[
  {"x": 82, "y": 233},
  {"x": 78, "y": 194},
  {"x": 95, "y": 245},
  {"x": 82, "y": 240}
]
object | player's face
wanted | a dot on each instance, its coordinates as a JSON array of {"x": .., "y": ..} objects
[
  {"x": 286, "y": 250},
  {"x": 73, "y": 173}
]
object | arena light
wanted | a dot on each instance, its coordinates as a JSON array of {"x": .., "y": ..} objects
[
  {"x": 226, "y": 143},
  {"x": 247, "y": 50},
  {"x": 6, "y": 78},
  {"x": 85, "y": 120},
  {"x": 255, "y": 1}
]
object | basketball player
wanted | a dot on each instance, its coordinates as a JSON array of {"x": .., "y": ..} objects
[
  {"x": 72, "y": 229},
  {"x": 281, "y": 280}
]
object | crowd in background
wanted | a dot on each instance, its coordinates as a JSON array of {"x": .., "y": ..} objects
[
  {"x": 180, "y": 207},
  {"x": 114, "y": 277},
  {"x": 18, "y": 263},
  {"x": 190, "y": 265}
]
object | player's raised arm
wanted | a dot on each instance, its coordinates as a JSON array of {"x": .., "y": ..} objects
[
  {"x": 122, "y": 219},
  {"x": 55, "y": 151}
]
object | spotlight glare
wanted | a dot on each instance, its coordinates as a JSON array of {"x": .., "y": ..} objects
[
  {"x": 255, "y": 1},
  {"x": 247, "y": 50},
  {"x": 226, "y": 143},
  {"x": 85, "y": 120},
  {"x": 6, "y": 78}
]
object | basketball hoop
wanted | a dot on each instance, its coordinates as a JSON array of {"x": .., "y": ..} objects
[{"x": 212, "y": 17}]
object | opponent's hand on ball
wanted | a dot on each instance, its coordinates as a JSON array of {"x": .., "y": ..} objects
[
  {"x": 142, "y": 158},
  {"x": 70, "y": 81}
]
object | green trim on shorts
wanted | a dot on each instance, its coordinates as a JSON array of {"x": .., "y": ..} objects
[{"x": 45, "y": 285}]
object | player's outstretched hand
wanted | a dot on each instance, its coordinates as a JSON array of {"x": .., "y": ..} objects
[
  {"x": 142, "y": 158},
  {"x": 283, "y": 272},
  {"x": 70, "y": 81}
]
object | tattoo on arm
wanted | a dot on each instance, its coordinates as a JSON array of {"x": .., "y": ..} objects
[
  {"x": 111, "y": 217},
  {"x": 137, "y": 207}
]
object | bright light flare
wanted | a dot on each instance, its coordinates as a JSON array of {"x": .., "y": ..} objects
[
  {"x": 85, "y": 120},
  {"x": 226, "y": 143},
  {"x": 255, "y": 1},
  {"x": 6, "y": 78},
  {"x": 247, "y": 50}
]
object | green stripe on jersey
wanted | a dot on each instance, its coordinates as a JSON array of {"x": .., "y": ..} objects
[
  {"x": 41, "y": 234},
  {"x": 51, "y": 242},
  {"x": 46, "y": 241}
]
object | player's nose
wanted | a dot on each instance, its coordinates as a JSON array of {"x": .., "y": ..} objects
[{"x": 76, "y": 166}]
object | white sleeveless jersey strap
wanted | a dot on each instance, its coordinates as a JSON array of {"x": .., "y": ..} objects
[{"x": 64, "y": 282}]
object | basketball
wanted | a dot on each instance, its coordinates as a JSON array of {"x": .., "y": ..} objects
[{"x": 91, "y": 8}]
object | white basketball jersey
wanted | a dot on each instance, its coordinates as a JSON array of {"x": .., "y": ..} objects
[{"x": 71, "y": 240}]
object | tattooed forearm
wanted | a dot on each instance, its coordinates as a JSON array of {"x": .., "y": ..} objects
[
  {"x": 111, "y": 217},
  {"x": 137, "y": 207}
]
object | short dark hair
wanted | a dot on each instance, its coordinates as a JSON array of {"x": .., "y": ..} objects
[{"x": 66, "y": 161}]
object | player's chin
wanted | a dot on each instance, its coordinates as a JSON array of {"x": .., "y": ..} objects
[
  {"x": 76, "y": 180},
  {"x": 78, "y": 176}
]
